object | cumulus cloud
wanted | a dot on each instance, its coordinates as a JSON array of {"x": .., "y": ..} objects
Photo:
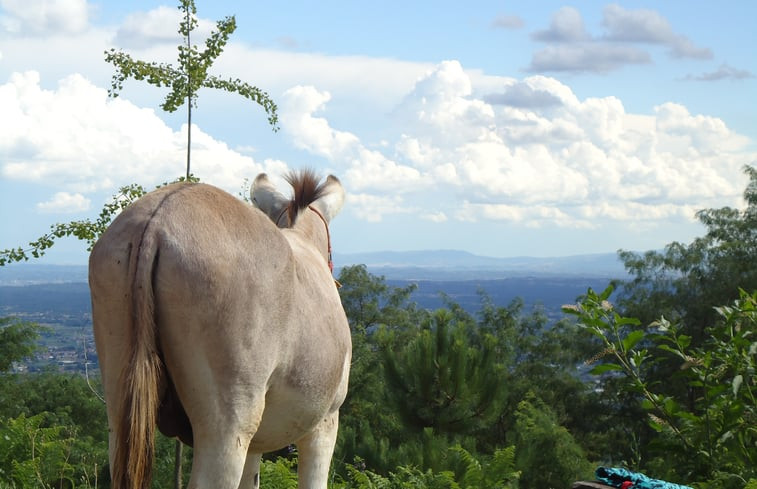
[
  {"x": 571, "y": 48},
  {"x": 437, "y": 217},
  {"x": 533, "y": 216},
  {"x": 534, "y": 154},
  {"x": 83, "y": 141},
  {"x": 64, "y": 203},
  {"x": 363, "y": 167},
  {"x": 381, "y": 80},
  {"x": 37, "y": 17}
]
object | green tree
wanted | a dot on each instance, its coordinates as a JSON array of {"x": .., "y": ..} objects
[
  {"x": 17, "y": 341},
  {"x": 443, "y": 382},
  {"x": 369, "y": 302},
  {"x": 546, "y": 454},
  {"x": 685, "y": 281},
  {"x": 192, "y": 72},
  {"x": 369, "y": 428}
]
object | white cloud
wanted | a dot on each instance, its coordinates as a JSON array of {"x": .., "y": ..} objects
[
  {"x": 36, "y": 17},
  {"x": 437, "y": 217},
  {"x": 380, "y": 80},
  {"x": 64, "y": 203},
  {"x": 363, "y": 167},
  {"x": 565, "y": 162},
  {"x": 542, "y": 157},
  {"x": 83, "y": 141},
  {"x": 373, "y": 208},
  {"x": 525, "y": 94},
  {"x": 528, "y": 216}
]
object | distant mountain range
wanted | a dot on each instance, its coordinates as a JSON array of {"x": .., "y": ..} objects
[
  {"x": 398, "y": 265},
  {"x": 461, "y": 265},
  {"x": 32, "y": 273}
]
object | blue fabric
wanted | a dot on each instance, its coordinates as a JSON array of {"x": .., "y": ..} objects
[{"x": 615, "y": 477}]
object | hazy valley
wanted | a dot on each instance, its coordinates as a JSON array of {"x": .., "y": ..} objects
[{"x": 57, "y": 296}]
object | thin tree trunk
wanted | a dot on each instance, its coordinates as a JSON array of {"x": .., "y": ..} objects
[
  {"x": 188, "y": 69},
  {"x": 189, "y": 128}
]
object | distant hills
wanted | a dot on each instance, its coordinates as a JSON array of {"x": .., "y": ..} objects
[
  {"x": 461, "y": 265},
  {"x": 397, "y": 265},
  {"x": 32, "y": 273}
]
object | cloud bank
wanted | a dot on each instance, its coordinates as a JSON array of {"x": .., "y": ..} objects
[{"x": 532, "y": 153}]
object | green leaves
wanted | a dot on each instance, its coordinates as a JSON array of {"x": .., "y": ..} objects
[
  {"x": 605, "y": 367},
  {"x": 633, "y": 337},
  {"x": 710, "y": 425},
  {"x": 32, "y": 455},
  {"x": 17, "y": 341}
]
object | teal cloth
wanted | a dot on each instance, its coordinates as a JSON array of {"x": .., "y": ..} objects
[{"x": 615, "y": 477}]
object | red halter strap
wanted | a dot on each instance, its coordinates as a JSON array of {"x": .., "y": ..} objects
[{"x": 328, "y": 235}]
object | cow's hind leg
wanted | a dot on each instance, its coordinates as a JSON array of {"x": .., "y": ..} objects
[
  {"x": 251, "y": 474},
  {"x": 315, "y": 451},
  {"x": 218, "y": 459}
]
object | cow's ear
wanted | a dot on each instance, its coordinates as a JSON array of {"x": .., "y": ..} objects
[
  {"x": 265, "y": 197},
  {"x": 332, "y": 198}
]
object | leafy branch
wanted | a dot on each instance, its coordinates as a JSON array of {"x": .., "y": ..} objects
[
  {"x": 85, "y": 230},
  {"x": 620, "y": 340},
  {"x": 717, "y": 424}
]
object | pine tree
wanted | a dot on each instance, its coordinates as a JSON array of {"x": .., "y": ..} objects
[{"x": 441, "y": 381}]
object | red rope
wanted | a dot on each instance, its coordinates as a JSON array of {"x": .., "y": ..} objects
[{"x": 328, "y": 235}]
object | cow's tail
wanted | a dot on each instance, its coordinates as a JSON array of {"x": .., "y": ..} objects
[{"x": 140, "y": 378}]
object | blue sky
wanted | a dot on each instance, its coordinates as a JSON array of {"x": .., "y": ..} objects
[{"x": 499, "y": 128}]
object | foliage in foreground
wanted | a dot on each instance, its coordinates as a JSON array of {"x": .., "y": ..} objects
[
  {"x": 709, "y": 436},
  {"x": 709, "y": 433}
]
